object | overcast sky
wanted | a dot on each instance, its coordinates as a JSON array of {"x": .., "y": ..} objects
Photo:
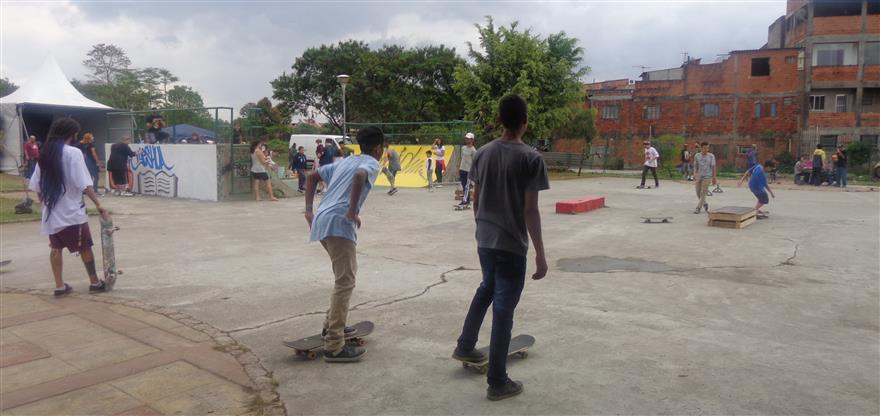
[{"x": 230, "y": 51}]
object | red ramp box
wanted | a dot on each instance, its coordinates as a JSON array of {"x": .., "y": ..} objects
[{"x": 585, "y": 204}]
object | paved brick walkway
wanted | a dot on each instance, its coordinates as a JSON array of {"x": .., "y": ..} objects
[{"x": 98, "y": 355}]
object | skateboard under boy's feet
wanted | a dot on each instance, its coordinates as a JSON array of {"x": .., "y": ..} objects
[
  {"x": 518, "y": 346},
  {"x": 310, "y": 345},
  {"x": 462, "y": 207}
]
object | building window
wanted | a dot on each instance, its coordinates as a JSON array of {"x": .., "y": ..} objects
[
  {"x": 872, "y": 53},
  {"x": 791, "y": 59},
  {"x": 870, "y": 139},
  {"x": 759, "y": 110},
  {"x": 835, "y": 54},
  {"x": 743, "y": 150},
  {"x": 610, "y": 112},
  {"x": 786, "y": 101},
  {"x": 652, "y": 112},
  {"x": 840, "y": 103},
  {"x": 828, "y": 141},
  {"x": 772, "y": 109},
  {"x": 760, "y": 67},
  {"x": 817, "y": 103},
  {"x": 711, "y": 110},
  {"x": 867, "y": 100}
]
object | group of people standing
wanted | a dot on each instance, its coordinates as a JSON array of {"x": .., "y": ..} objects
[{"x": 822, "y": 169}]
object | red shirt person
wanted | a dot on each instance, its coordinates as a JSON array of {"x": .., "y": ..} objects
[{"x": 31, "y": 155}]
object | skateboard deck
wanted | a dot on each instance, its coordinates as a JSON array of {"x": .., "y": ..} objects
[
  {"x": 643, "y": 187},
  {"x": 518, "y": 346},
  {"x": 462, "y": 207},
  {"x": 655, "y": 220},
  {"x": 309, "y": 346},
  {"x": 108, "y": 252}
]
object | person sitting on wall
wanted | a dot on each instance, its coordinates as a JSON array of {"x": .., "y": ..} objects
[
  {"x": 195, "y": 138},
  {"x": 155, "y": 124}
]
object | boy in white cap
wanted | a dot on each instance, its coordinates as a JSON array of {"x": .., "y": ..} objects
[{"x": 467, "y": 159}]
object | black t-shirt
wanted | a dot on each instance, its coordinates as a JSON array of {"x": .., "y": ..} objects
[
  {"x": 119, "y": 154},
  {"x": 153, "y": 125},
  {"x": 841, "y": 159}
]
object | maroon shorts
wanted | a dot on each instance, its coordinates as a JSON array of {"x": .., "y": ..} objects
[{"x": 74, "y": 238}]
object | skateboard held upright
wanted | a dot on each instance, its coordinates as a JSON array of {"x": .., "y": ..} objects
[{"x": 108, "y": 252}]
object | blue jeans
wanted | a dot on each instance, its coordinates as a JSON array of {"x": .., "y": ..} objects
[
  {"x": 301, "y": 179},
  {"x": 504, "y": 275},
  {"x": 841, "y": 177},
  {"x": 463, "y": 178}
]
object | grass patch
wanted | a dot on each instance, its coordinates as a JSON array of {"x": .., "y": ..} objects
[
  {"x": 8, "y": 215},
  {"x": 12, "y": 183}
]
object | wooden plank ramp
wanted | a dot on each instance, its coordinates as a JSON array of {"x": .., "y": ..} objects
[{"x": 732, "y": 217}]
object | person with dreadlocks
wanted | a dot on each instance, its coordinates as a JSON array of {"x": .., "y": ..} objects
[{"x": 60, "y": 180}]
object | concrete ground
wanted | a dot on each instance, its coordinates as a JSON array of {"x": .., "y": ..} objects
[
  {"x": 91, "y": 355},
  {"x": 633, "y": 318}
]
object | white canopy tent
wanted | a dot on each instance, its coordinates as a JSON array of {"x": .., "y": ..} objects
[{"x": 32, "y": 108}]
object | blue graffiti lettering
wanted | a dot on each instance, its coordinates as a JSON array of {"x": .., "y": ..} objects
[{"x": 150, "y": 157}]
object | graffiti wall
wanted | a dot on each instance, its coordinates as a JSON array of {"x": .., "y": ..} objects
[
  {"x": 174, "y": 170},
  {"x": 412, "y": 165}
]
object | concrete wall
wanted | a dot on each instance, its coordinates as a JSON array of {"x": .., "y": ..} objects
[{"x": 175, "y": 170}]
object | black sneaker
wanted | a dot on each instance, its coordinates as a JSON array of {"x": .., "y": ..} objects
[
  {"x": 472, "y": 356},
  {"x": 706, "y": 207},
  {"x": 640, "y": 187},
  {"x": 98, "y": 288},
  {"x": 348, "y": 354},
  {"x": 63, "y": 292},
  {"x": 510, "y": 388}
]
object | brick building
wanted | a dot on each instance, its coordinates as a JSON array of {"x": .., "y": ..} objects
[{"x": 816, "y": 80}]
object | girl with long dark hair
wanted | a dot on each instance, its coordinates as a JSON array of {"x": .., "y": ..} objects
[
  {"x": 259, "y": 162},
  {"x": 60, "y": 180},
  {"x": 440, "y": 160}
]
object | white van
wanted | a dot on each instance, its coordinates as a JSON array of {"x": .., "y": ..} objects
[{"x": 307, "y": 141}]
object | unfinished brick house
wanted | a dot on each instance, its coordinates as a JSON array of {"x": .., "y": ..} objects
[{"x": 817, "y": 80}]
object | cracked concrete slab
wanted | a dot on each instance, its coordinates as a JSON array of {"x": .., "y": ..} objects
[{"x": 780, "y": 317}]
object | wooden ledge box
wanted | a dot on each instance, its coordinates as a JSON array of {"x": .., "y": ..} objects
[{"x": 732, "y": 217}]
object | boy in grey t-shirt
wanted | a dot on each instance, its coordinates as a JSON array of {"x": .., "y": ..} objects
[
  {"x": 704, "y": 169},
  {"x": 507, "y": 176}
]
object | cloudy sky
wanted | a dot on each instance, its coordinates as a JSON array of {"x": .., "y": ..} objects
[{"x": 230, "y": 50}]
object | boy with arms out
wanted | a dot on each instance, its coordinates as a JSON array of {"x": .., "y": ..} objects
[
  {"x": 759, "y": 186},
  {"x": 335, "y": 225},
  {"x": 507, "y": 176}
]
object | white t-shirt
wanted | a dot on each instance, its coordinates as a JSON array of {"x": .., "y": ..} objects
[
  {"x": 439, "y": 153},
  {"x": 651, "y": 156},
  {"x": 70, "y": 209}
]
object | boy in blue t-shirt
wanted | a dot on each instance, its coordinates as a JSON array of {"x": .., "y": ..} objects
[
  {"x": 759, "y": 186},
  {"x": 335, "y": 225}
]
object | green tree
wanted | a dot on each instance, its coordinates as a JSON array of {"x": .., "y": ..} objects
[
  {"x": 106, "y": 62},
  {"x": 125, "y": 92},
  {"x": 166, "y": 78},
  {"x": 7, "y": 87},
  {"x": 546, "y": 72},
  {"x": 181, "y": 96},
  {"x": 390, "y": 84},
  {"x": 581, "y": 126}
]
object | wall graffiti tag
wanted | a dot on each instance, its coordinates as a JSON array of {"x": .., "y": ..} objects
[{"x": 154, "y": 174}]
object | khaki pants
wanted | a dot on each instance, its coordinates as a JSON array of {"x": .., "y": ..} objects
[
  {"x": 343, "y": 255},
  {"x": 702, "y": 185}
]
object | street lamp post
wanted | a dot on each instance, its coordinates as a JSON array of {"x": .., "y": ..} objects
[{"x": 343, "y": 79}]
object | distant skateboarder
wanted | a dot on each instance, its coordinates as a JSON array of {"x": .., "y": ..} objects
[
  {"x": 507, "y": 176},
  {"x": 392, "y": 160},
  {"x": 651, "y": 157},
  {"x": 704, "y": 169},
  {"x": 335, "y": 225},
  {"x": 467, "y": 158},
  {"x": 60, "y": 179}
]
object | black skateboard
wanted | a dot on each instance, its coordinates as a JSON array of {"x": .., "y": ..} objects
[
  {"x": 460, "y": 207},
  {"x": 518, "y": 346},
  {"x": 643, "y": 187},
  {"x": 655, "y": 220},
  {"x": 309, "y": 346}
]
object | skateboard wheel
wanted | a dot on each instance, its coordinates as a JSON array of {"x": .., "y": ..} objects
[
  {"x": 665, "y": 220},
  {"x": 524, "y": 354},
  {"x": 484, "y": 369},
  {"x": 361, "y": 342},
  {"x": 464, "y": 365},
  {"x": 312, "y": 355}
]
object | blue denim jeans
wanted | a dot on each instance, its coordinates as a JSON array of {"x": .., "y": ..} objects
[
  {"x": 465, "y": 188},
  {"x": 301, "y": 179},
  {"x": 841, "y": 177},
  {"x": 504, "y": 276}
]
